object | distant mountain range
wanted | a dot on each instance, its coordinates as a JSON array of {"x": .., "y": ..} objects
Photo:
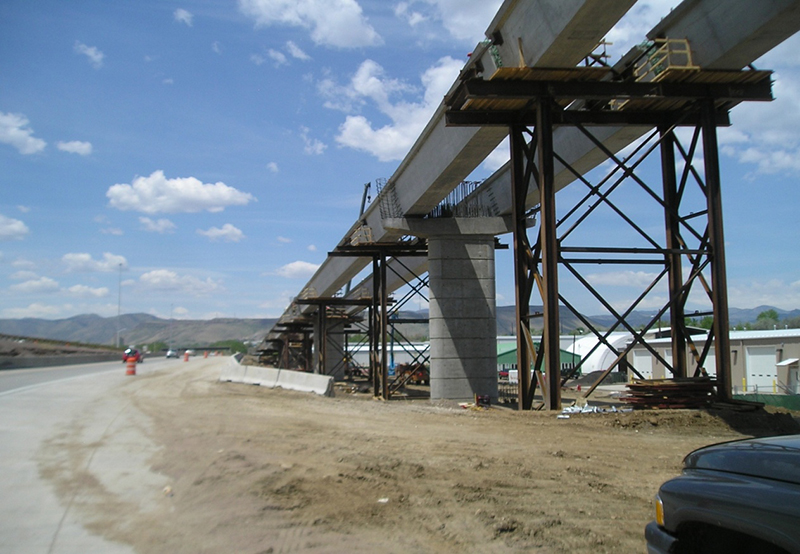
[
  {"x": 139, "y": 329},
  {"x": 142, "y": 329}
]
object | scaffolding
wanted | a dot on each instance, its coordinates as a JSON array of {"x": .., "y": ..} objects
[{"x": 533, "y": 104}]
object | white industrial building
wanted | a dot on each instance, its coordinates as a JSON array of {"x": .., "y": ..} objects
[{"x": 761, "y": 361}]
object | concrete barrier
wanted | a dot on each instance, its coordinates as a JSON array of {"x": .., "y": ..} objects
[
  {"x": 272, "y": 377},
  {"x": 306, "y": 382},
  {"x": 262, "y": 376},
  {"x": 233, "y": 373},
  {"x": 23, "y": 362}
]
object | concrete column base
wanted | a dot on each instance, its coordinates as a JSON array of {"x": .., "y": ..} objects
[{"x": 462, "y": 318}]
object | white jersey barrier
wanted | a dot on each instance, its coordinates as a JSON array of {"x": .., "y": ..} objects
[{"x": 272, "y": 377}]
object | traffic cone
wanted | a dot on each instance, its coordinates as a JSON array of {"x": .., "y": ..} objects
[
  {"x": 205, "y": 354},
  {"x": 130, "y": 367},
  {"x": 185, "y": 356}
]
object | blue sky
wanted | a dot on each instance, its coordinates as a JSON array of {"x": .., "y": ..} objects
[{"x": 206, "y": 155}]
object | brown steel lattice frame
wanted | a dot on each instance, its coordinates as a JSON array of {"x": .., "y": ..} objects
[
  {"x": 329, "y": 308},
  {"x": 704, "y": 108},
  {"x": 379, "y": 308},
  {"x": 294, "y": 344}
]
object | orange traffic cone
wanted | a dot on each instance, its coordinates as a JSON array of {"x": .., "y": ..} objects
[
  {"x": 130, "y": 367},
  {"x": 205, "y": 354},
  {"x": 186, "y": 357}
]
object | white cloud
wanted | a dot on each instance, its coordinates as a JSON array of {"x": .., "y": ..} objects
[
  {"x": 166, "y": 280},
  {"x": 36, "y": 286},
  {"x": 278, "y": 57},
  {"x": 23, "y": 209},
  {"x": 772, "y": 292},
  {"x": 337, "y": 23},
  {"x": 227, "y": 233},
  {"x": 33, "y": 310},
  {"x": 156, "y": 193},
  {"x": 14, "y": 130},
  {"x": 638, "y": 279},
  {"x": 464, "y": 19},
  {"x": 24, "y": 275},
  {"x": 284, "y": 240},
  {"x": 764, "y": 134},
  {"x": 313, "y": 147},
  {"x": 161, "y": 226},
  {"x": 75, "y": 147},
  {"x": 632, "y": 28},
  {"x": 115, "y": 231},
  {"x": 95, "y": 56},
  {"x": 257, "y": 59},
  {"x": 277, "y": 303},
  {"x": 413, "y": 18},
  {"x": 296, "y": 52},
  {"x": 311, "y": 248},
  {"x": 273, "y": 167},
  {"x": 84, "y": 262},
  {"x": 216, "y": 47},
  {"x": 297, "y": 270},
  {"x": 21, "y": 263},
  {"x": 499, "y": 156},
  {"x": 392, "y": 141},
  {"x": 88, "y": 292},
  {"x": 183, "y": 16},
  {"x": 12, "y": 229}
]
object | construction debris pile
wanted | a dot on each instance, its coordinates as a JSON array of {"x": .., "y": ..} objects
[{"x": 671, "y": 393}]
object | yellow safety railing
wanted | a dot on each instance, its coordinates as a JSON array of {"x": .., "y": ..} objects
[{"x": 667, "y": 54}]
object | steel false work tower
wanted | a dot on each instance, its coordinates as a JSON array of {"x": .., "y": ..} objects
[{"x": 659, "y": 105}]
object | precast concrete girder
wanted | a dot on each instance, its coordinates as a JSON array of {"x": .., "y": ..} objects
[
  {"x": 722, "y": 35},
  {"x": 523, "y": 33},
  {"x": 730, "y": 34}
]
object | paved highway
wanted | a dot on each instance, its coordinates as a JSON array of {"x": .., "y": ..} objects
[
  {"x": 71, "y": 439},
  {"x": 15, "y": 379}
]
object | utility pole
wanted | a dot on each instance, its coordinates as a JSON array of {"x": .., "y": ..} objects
[{"x": 119, "y": 303}]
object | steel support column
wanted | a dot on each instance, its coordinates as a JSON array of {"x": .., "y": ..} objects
[
  {"x": 719, "y": 280},
  {"x": 377, "y": 342},
  {"x": 673, "y": 257},
  {"x": 522, "y": 262},
  {"x": 384, "y": 330},
  {"x": 322, "y": 340},
  {"x": 551, "y": 347}
]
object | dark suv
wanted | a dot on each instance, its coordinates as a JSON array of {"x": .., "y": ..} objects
[{"x": 735, "y": 497}]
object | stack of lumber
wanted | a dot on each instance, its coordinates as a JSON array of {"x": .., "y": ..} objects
[{"x": 665, "y": 394}]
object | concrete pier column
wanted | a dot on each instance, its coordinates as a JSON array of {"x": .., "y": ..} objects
[
  {"x": 462, "y": 318},
  {"x": 334, "y": 354},
  {"x": 329, "y": 346}
]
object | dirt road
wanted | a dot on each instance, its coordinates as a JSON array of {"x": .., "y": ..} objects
[{"x": 253, "y": 470}]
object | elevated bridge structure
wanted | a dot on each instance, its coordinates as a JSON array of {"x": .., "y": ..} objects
[{"x": 530, "y": 81}]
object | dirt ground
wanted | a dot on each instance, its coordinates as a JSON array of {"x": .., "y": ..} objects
[{"x": 253, "y": 470}]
